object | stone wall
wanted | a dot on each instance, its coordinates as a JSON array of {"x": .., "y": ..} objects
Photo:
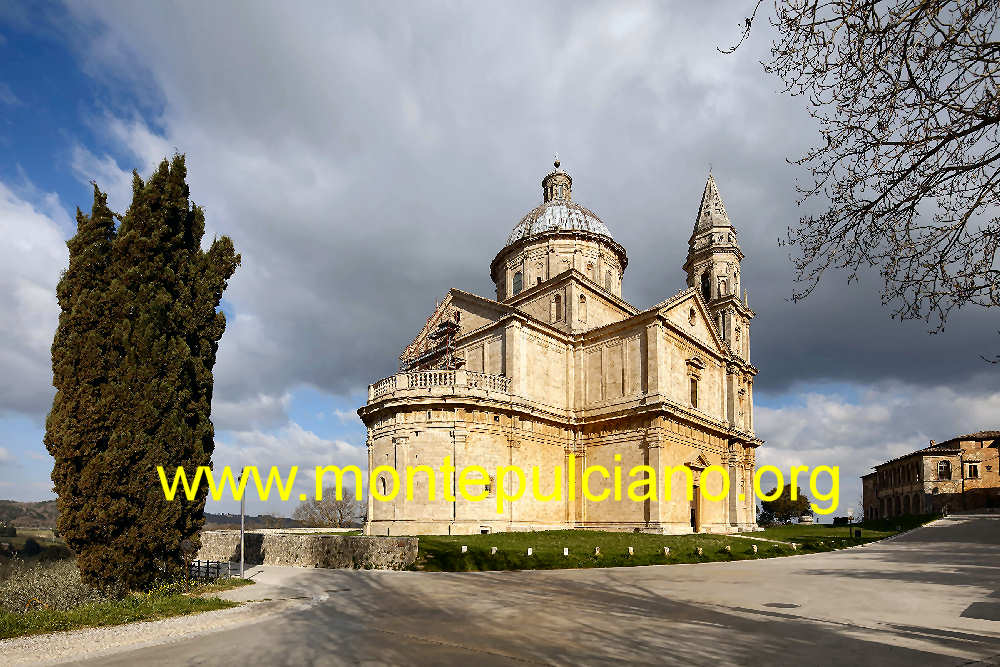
[{"x": 304, "y": 550}]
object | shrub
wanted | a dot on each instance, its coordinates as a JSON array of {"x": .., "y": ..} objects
[
  {"x": 7, "y": 529},
  {"x": 50, "y": 585},
  {"x": 31, "y": 548}
]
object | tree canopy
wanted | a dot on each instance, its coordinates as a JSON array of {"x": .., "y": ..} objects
[
  {"x": 132, "y": 363},
  {"x": 783, "y": 509},
  {"x": 329, "y": 512}
]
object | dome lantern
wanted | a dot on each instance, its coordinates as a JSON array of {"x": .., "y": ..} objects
[{"x": 557, "y": 184}]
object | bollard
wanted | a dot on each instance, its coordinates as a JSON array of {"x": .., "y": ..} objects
[
  {"x": 666, "y": 551},
  {"x": 631, "y": 552},
  {"x": 529, "y": 551},
  {"x": 493, "y": 551},
  {"x": 565, "y": 551},
  {"x": 465, "y": 548}
]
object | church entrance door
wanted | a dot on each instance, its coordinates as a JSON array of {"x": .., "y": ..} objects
[{"x": 695, "y": 514}]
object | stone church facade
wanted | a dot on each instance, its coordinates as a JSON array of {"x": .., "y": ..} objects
[{"x": 559, "y": 364}]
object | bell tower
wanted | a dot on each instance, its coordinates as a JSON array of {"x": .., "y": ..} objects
[{"x": 713, "y": 266}]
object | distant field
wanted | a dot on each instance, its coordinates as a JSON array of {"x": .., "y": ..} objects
[{"x": 43, "y": 536}]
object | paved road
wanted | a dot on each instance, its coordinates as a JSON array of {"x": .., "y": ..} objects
[{"x": 929, "y": 597}]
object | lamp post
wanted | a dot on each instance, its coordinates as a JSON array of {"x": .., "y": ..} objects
[{"x": 243, "y": 511}]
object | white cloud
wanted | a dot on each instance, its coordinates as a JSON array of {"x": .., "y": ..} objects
[
  {"x": 879, "y": 423},
  {"x": 288, "y": 446},
  {"x": 31, "y": 260}
]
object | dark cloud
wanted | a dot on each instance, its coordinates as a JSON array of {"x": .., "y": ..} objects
[{"x": 365, "y": 158}]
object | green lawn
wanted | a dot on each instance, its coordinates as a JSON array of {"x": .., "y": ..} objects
[
  {"x": 134, "y": 607},
  {"x": 112, "y": 612},
  {"x": 444, "y": 552},
  {"x": 841, "y": 535}
]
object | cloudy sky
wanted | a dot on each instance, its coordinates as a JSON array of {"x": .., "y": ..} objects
[{"x": 365, "y": 157}]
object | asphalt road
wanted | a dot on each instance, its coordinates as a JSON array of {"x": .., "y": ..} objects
[{"x": 928, "y": 597}]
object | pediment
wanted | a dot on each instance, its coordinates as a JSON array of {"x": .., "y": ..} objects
[
  {"x": 698, "y": 463},
  {"x": 688, "y": 313},
  {"x": 458, "y": 313}
]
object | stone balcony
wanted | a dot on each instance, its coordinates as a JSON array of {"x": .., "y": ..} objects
[{"x": 437, "y": 383}]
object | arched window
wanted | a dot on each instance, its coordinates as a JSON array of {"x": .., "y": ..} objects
[
  {"x": 381, "y": 484},
  {"x": 582, "y": 315},
  {"x": 944, "y": 469},
  {"x": 608, "y": 281},
  {"x": 518, "y": 282},
  {"x": 706, "y": 287},
  {"x": 558, "y": 307}
]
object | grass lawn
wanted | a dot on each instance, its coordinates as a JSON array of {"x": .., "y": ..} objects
[
  {"x": 444, "y": 552},
  {"x": 841, "y": 535},
  {"x": 132, "y": 608}
]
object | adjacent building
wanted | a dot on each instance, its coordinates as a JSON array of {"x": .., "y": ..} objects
[
  {"x": 559, "y": 368},
  {"x": 962, "y": 473}
]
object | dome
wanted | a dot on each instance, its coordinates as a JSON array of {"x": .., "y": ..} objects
[
  {"x": 558, "y": 212},
  {"x": 557, "y": 215}
]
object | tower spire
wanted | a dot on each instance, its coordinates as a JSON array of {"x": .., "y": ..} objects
[{"x": 712, "y": 212}]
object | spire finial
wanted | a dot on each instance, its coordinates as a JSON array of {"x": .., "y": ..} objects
[{"x": 556, "y": 162}]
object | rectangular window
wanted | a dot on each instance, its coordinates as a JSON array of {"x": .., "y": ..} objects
[
  {"x": 694, "y": 392},
  {"x": 974, "y": 471}
]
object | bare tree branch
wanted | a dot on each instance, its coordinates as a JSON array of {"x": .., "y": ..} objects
[
  {"x": 906, "y": 96},
  {"x": 746, "y": 30}
]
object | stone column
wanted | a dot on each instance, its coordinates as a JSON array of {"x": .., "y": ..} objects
[
  {"x": 513, "y": 352},
  {"x": 655, "y": 355},
  {"x": 654, "y": 449},
  {"x": 369, "y": 445},
  {"x": 458, "y": 440},
  {"x": 734, "y": 469}
]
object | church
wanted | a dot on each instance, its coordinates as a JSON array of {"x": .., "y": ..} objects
[{"x": 559, "y": 372}]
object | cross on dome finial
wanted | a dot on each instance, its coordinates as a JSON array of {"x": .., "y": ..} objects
[{"x": 556, "y": 163}]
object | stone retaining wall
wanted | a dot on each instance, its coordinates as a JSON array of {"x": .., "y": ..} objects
[{"x": 304, "y": 550}]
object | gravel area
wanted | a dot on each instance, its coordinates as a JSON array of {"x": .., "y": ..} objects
[{"x": 62, "y": 647}]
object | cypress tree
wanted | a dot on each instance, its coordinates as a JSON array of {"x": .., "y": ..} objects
[{"x": 132, "y": 361}]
